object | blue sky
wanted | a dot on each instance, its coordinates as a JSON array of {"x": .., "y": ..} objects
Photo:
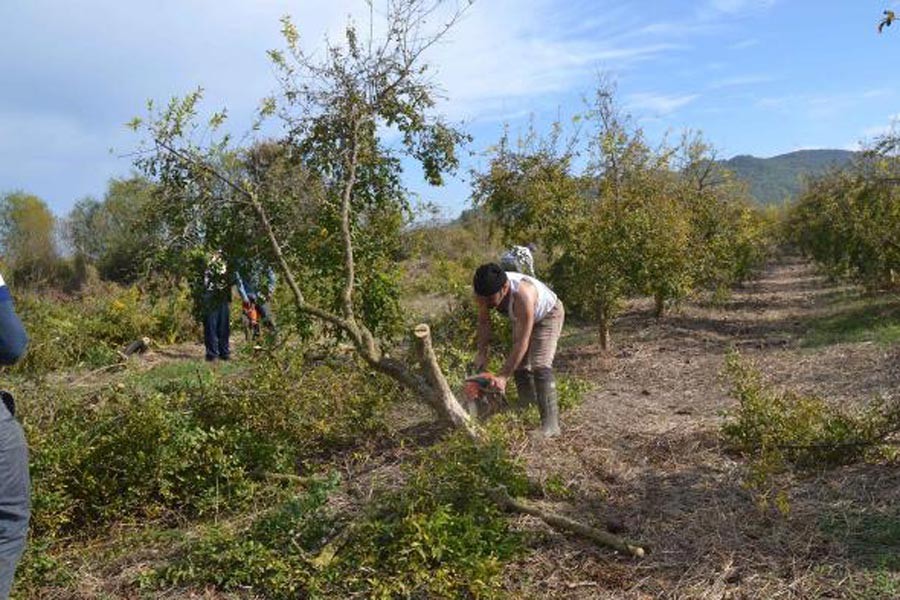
[{"x": 759, "y": 77}]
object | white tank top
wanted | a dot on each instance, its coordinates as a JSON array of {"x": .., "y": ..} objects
[{"x": 546, "y": 299}]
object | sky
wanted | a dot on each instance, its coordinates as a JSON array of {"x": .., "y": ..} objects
[{"x": 760, "y": 77}]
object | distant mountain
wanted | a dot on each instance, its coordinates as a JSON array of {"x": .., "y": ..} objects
[{"x": 772, "y": 180}]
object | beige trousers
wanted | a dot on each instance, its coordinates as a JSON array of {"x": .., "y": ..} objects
[{"x": 544, "y": 338}]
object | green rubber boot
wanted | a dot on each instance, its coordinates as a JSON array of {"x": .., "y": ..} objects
[
  {"x": 545, "y": 387},
  {"x": 525, "y": 388}
]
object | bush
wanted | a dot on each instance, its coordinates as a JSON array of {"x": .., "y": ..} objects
[
  {"x": 775, "y": 430},
  {"x": 847, "y": 220},
  {"x": 88, "y": 330},
  {"x": 272, "y": 555},
  {"x": 438, "y": 536},
  {"x": 191, "y": 448}
]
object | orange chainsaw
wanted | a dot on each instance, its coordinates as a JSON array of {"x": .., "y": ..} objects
[
  {"x": 483, "y": 399},
  {"x": 480, "y": 385},
  {"x": 250, "y": 320}
]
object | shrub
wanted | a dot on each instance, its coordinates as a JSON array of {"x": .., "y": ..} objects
[
  {"x": 272, "y": 555},
  {"x": 775, "y": 430},
  {"x": 190, "y": 447},
  {"x": 438, "y": 536},
  {"x": 88, "y": 330}
]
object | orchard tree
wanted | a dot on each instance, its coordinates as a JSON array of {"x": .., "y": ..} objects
[
  {"x": 114, "y": 235},
  {"x": 335, "y": 110},
  {"x": 27, "y": 237},
  {"x": 637, "y": 220},
  {"x": 529, "y": 189},
  {"x": 849, "y": 220},
  {"x": 730, "y": 236}
]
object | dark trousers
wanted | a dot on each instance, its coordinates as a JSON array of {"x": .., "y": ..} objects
[
  {"x": 15, "y": 488},
  {"x": 266, "y": 316},
  {"x": 217, "y": 331}
]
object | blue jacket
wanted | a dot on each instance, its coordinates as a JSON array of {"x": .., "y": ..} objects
[{"x": 13, "y": 339}]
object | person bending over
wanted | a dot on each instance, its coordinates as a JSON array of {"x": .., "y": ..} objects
[{"x": 537, "y": 317}]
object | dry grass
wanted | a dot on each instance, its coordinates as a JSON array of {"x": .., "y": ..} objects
[{"x": 642, "y": 453}]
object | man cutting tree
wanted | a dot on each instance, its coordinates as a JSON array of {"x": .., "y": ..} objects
[
  {"x": 256, "y": 286},
  {"x": 537, "y": 317}
]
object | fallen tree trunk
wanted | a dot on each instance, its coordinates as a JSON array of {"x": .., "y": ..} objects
[{"x": 598, "y": 536}]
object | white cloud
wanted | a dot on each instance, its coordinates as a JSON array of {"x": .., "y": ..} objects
[
  {"x": 739, "y": 81},
  {"x": 739, "y": 6},
  {"x": 814, "y": 106},
  {"x": 657, "y": 104},
  {"x": 508, "y": 52},
  {"x": 893, "y": 122}
]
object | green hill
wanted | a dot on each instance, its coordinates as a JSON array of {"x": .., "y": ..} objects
[{"x": 772, "y": 180}]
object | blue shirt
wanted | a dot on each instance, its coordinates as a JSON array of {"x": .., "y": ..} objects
[{"x": 13, "y": 339}]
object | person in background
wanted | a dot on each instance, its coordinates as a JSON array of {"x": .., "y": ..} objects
[
  {"x": 256, "y": 284},
  {"x": 214, "y": 308},
  {"x": 537, "y": 317},
  {"x": 15, "y": 485},
  {"x": 519, "y": 259}
]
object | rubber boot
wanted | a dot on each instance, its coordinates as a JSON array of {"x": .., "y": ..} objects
[
  {"x": 525, "y": 388},
  {"x": 545, "y": 388}
]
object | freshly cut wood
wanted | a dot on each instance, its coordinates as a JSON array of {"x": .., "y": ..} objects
[{"x": 441, "y": 396}]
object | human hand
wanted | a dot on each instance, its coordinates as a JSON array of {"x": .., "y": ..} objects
[{"x": 479, "y": 363}]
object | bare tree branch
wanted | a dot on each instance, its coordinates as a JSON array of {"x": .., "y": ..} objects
[{"x": 349, "y": 184}]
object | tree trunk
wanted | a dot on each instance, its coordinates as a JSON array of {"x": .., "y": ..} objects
[
  {"x": 138, "y": 346},
  {"x": 604, "y": 329},
  {"x": 446, "y": 402},
  {"x": 659, "y": 304},
  {"x": 441, "y": 396}
]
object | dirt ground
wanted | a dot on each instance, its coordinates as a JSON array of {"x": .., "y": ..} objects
[{"x": 642, "y": 452}]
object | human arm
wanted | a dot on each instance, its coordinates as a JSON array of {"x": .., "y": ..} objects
[
  {"x": 273, "y": 280},
  {"x": 523, "y": 323},
  {"x": 242, "y": 290},
  {"x": 483, "y": 336},
  {"x": 13, "y": 339}
]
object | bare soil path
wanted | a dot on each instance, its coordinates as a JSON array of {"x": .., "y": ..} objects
[{"x": 642, "y": 453}]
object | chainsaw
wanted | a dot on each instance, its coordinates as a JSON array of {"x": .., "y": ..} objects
[{"x": 481, "y": 395}]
